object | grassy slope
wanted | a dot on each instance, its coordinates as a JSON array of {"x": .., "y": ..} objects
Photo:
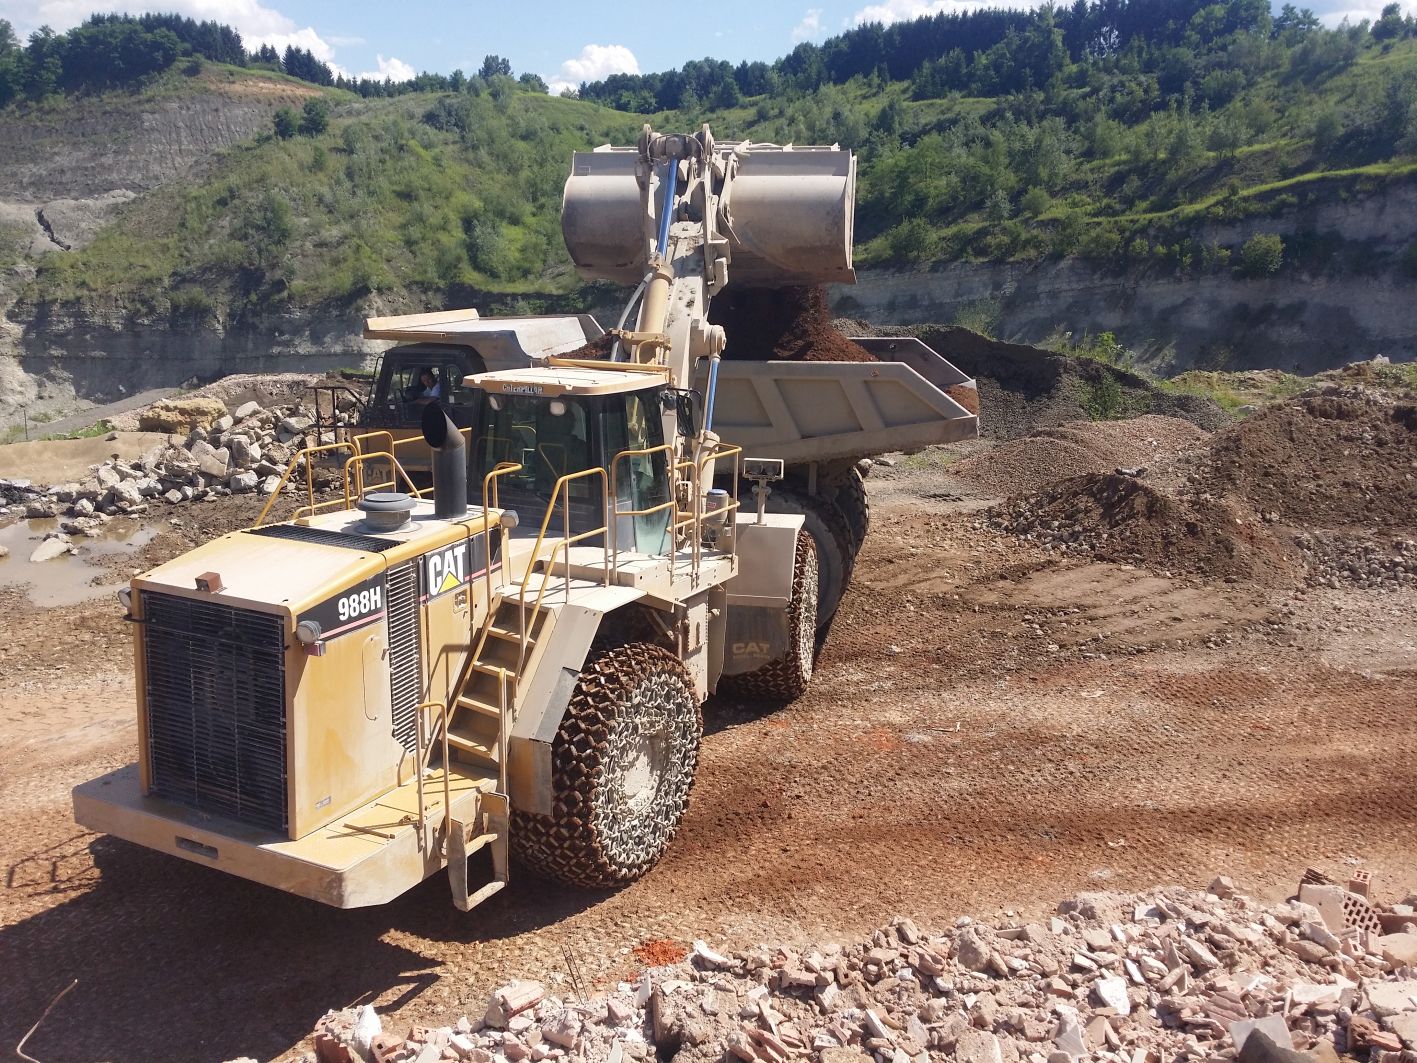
[{"x": 383, "y": 202}]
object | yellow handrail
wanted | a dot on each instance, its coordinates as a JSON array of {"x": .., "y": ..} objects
[
  {"x": 563, "y": 484},
  {"x": 312, "y": 506}
]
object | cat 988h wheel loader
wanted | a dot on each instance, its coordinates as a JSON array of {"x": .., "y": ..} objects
[{"x": 395, "y": 682}]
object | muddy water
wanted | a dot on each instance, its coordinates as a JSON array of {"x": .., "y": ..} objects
[{"x": 70, "y": 578}]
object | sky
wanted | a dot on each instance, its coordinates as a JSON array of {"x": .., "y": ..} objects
[{"x": 563, "y": 41}]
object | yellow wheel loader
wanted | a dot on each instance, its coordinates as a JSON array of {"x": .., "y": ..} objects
[{"x": 397, "y": 681}]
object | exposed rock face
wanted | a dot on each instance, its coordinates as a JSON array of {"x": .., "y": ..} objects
[{"x": 1293, "y": 320}]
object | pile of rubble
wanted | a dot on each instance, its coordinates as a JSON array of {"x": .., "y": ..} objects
[
  {"x": 211, "y": 451},
  {"x": 1358, "y": 561},
  {"x": 1173, "y": 974}
]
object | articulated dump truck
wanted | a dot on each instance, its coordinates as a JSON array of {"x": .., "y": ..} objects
[{"x": 514, "y": 662}]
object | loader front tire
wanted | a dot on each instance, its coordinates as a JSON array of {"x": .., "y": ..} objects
[
  {"x": 786, "y": 678},
  {"x": 623, "y": 764}
]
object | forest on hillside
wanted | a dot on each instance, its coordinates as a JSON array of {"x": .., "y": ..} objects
[{"x": 1117, "y": 131}]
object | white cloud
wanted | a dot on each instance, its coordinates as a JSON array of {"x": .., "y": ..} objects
[
  {"x": 391, "y": 68},
  {"x": 1334, "y": 12},
  {"x": 256, "y": 23},
  {"x": 595, "y": 62},
  {"x": 809, "y": 27},
  {"x": 904, "y": 10}
]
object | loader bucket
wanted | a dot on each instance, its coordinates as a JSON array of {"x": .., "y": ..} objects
[{"x": 791, "y": 216}]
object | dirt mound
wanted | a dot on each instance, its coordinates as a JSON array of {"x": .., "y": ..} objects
[
  {"x": 1080, "y": 447},
  {"x": 782, "y": 324},
  {"x": 1323, "y": 461},
  {"x": 1120, "y": 518}
]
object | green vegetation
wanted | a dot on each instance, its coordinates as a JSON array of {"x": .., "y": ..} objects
[
  {"x": 444, "y": 195},
  {"x": 1115, "y": 132}
]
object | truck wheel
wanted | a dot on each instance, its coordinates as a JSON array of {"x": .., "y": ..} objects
[
  {"x": 855, "y": 506},
  {"x": 623, "y": 763},
  {"x": 832, "y": 537},
  {"x": 786, "y": 678}
]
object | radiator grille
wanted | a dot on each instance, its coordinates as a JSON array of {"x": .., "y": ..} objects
[
  {"x": 404, "y": 642},
  {"x": 325, "y": 537},
  {"x": 216, "y": 708}
]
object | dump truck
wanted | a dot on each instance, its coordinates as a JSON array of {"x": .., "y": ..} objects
[{"x": 513, "y": 664}]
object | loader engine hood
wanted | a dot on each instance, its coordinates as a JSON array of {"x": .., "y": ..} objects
[{"x": 281, "y": 668}]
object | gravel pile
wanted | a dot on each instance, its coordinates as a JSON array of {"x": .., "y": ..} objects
[
  {"x": 1076, "y": 448},
  {"x": 1169, "y": 975},
  {"x": 1343, "y": 457},
  {"x": 1358, "y": 561},
  {"x": 1118, "y": 517}
]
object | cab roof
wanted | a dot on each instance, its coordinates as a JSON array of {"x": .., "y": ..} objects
[{"x": 555, "y": 380}]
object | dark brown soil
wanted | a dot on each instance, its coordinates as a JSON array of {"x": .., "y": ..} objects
[
  {"x": 1120, "y": 518},
  {"x": 1326, "y": 461},
  {"x": 597, "y": 349},
  {"x": 782, "y": 324}
]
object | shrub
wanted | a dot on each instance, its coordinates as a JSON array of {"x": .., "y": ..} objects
[
  {"x": 914, "y": 240},
  {"x": 1103, "y": 399},
  {"x": 1261, "y": 255},
  {"x": 315, "y": 118},
  {"x": 285, "y": 123}
]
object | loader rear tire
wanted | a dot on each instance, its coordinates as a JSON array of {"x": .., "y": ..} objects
[
  {"x": 623, "y": 764},
  {"x": 786, "y": 678}
]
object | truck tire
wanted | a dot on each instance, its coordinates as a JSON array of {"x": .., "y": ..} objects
[
  {"x": 786, "y": 678},
  {"x": 623, "y": 764},
  {"x": 855, "y": 505},
  {"x": 832, "y": 536}
]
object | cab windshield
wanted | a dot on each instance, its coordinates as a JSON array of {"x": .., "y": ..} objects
[{"x": 555, "y": 437}]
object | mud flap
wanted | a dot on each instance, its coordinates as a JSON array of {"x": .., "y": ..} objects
[{"x": 757, "y": 636}]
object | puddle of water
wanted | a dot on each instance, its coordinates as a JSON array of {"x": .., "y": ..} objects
[{"x": 70, "y": 578}]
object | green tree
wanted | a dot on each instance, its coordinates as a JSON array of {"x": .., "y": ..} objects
[
  {"x": 1261, "y": 255},
  {"x": 1327, "y": 130},
  {"x": 494, "y": 66},
  {"x": 314, "y": 117},
  {"x": 1035, "y": 201},
  {"x": 285, "y": 123},
  {"x": 531, "y": 82}
]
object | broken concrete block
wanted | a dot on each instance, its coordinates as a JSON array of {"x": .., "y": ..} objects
[
  {"x": 54, "y": 546},
  {"x": 1400, "y": 950},
  {"x": 563, "y": 1030},
  {"x": 1198, "y": 954},
  {"x": 1274, "y": 1027},
  {"x": 971, "y": 952},
  {"x": 1404, "y": 1025},
  {"x": 512, "y": 999},
  {"x": 1392, "y": 998},
  {"x": 976, "y": 1046},
  {"x": 1112, "y": 993},
  {"x": 1222, "y": 887}
]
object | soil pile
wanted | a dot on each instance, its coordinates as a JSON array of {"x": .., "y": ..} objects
[
  {"x": 1119, "y": 518},
  {"x": 1334, "y": 460},
  {"x": 1049, "y": 454},
  {"x": 782, "y": 324}
]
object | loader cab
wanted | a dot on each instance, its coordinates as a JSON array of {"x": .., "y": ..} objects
[
  {"x": 585, "y": 420},
  {"x": 396, "y": 399}
]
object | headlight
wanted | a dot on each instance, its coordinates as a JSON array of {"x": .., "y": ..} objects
[
  {"x": 125, "y": 598},
  {"x": 308, "y": 632}
]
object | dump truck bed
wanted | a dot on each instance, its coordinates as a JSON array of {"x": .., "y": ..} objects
[{"x": 824, "y": 411}]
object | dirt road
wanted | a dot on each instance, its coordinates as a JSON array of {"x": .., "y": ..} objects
[{"x": 991, "y": 727}]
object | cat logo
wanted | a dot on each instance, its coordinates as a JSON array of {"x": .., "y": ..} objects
[
  {"x": 751, "y": 649},
  {"x": 445, "y": 570}
]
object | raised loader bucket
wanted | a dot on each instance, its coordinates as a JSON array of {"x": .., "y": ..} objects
[{"x": 789, "y": 218}]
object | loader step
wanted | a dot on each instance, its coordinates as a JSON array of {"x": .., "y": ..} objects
[
  {"x": 468, "y": 741},
  {"x": 478, "y": 706}
]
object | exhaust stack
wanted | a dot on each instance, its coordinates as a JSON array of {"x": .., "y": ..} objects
[{"x": 449, "y": 463}]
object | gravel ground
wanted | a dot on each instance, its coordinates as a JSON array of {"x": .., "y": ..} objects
[{"x": 992, "y": 726}]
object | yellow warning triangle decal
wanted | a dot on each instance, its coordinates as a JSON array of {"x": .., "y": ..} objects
[{"x": 450, "y": 581}]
